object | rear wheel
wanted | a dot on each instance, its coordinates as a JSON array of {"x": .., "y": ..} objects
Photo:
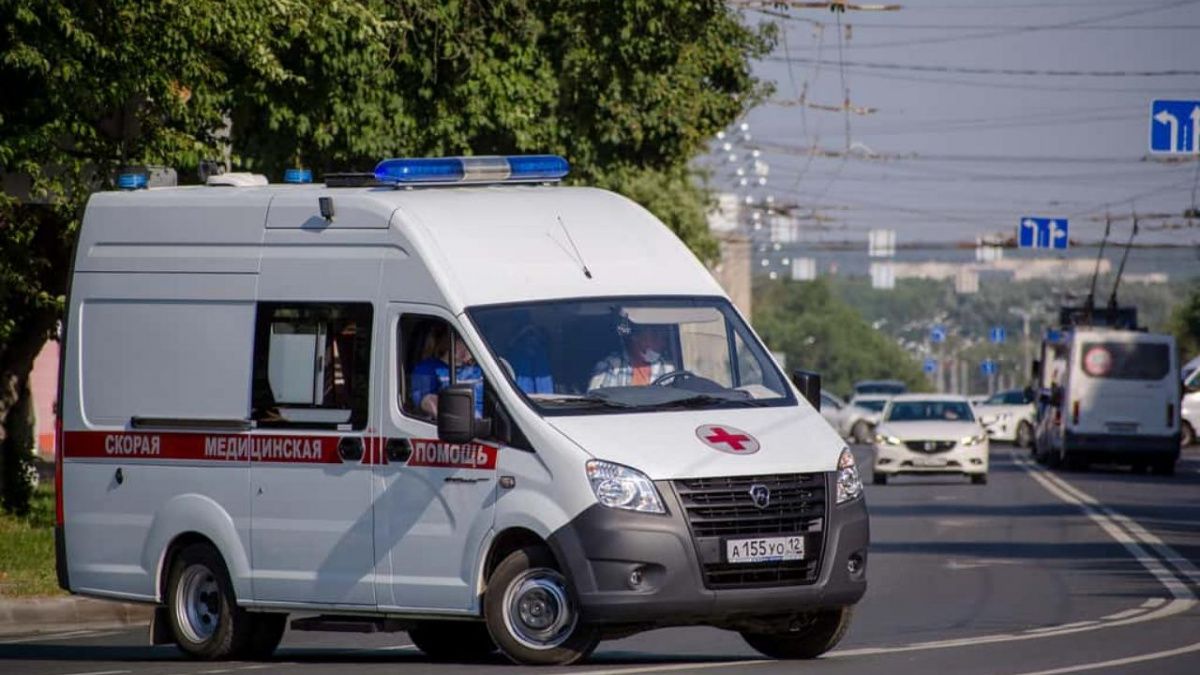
[
  {"x": 821, "y": 632},
  {"x": 1164, "y": 467},
  {"x": 532, "y": 613},
  {"x": 861, "y": 431},
  {"x": 1024, "y": 435},
  {"x": 205, "y": 619},
  {"x": 453, "y": 640}
]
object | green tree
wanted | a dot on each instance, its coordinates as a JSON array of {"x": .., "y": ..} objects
[
  {"x": 819, "y": 332},
  {"x": 1185, "y": 324},
  {"x": 628, "y": 90}
]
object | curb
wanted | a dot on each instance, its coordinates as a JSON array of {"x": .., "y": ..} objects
[{"x": 39, "y": 615}]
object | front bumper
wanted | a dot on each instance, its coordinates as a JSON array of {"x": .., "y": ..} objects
[
  {"x": 602, "y": 547},
  {"x": 898, "y": 459}
]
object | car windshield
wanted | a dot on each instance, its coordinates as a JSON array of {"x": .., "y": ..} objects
[
  {"x": 911, "y": 411},
  {"x": 872, "y": 404},
  {"x": 891, "y": 388},
  {"x": 573, "y": 357}
]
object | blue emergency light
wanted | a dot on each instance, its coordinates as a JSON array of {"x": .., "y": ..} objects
[
  {"x": 484, "y": 169},
  {"x": 132, "y": 181},
  {"x": 297, "y": 176}
]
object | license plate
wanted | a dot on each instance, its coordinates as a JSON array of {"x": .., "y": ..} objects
[
  {"x": 764, "y": 549},
  {"x": 929, "y": 462}
]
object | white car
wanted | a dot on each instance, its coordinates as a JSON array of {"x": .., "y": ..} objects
[
  {"x": 860, "y": 416},
  {"x": 1009, "y": 416},
  {"x": 1191, "y": 402},
  {"x": 930, "y": 433}
]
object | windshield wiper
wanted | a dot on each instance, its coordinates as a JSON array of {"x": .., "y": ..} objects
[
  {"x": 702, "y": 400},
  {"x": 571, "y": 400}
]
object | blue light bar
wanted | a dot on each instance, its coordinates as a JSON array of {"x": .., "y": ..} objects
[
  {"x": 297, "y": 176},
  {"x": 487, "y": 169},
  {"x": 132, "y": 181}
]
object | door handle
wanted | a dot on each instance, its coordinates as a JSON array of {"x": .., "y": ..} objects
[{"x": 350, "y": 448}]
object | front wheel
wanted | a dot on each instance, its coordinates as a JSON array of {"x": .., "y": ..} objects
[
  {"x": 1024, "y": 435},
  {"x": 532, "y": 613},
  {"x": 820, "y": 633}
]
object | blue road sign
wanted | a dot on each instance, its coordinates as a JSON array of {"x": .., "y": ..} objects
[
  {"x": 937, "y": 334},
  {"x": 997, "y": 334},
  {"x": 1175, "y": 127},
  {"x": 930, "y": 366},
  {"x": 1053, "y": 335},
  {"x": 988, "y": 367},
  {"x": 1042, "y": 233}
]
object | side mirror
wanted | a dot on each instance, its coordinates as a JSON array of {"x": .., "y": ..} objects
[
  {"x": 456, "y": 415},
  {"x": 809, "y": 385}
]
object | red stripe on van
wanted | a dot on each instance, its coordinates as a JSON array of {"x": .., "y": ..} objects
[{"x": 202, "y": 447}]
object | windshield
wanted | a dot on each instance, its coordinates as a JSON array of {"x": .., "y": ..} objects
[
  {"x": 911, "y": 411},
  {"x": 630, "y": 354},
  {"x": 872, "y": 404},
  {"x": 880, "y": 388},
  {"x": 1120, "y": 361}
]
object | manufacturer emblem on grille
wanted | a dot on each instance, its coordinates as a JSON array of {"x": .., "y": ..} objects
[
  {"x": 930, "y": 445},
  {"x": 761, "y": 495}
]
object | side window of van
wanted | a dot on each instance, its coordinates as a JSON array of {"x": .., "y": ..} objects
[
  {"x": 312, "y": 365},
  {"x": 427, "y": 347}
]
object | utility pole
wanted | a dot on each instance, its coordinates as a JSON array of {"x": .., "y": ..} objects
[{"x": 1026, "y": 356}]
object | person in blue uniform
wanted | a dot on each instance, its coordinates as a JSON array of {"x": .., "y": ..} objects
[{"x": 432, "y": 374}]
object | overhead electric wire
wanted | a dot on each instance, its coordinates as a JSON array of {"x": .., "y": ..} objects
[
  {"x": 1007, "y": 72},
  {"x": 1055, "y": 88}
]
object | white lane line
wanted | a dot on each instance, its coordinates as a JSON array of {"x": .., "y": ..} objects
[
  {"x": 103, "y": 672},
  {"x": 1123, "y": 615},
  {"x": 1174, "y": 585},
  {"x": 1119, "y": 662},
  {"x": 1077, "y": 624},
  {"x": 49, "y": 637},
  {"x": 1154, "y": 602},
  {"x": 675, "y": 667}
]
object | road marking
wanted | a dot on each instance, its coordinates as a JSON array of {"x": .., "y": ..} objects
[
  {"x": 1120, "y": 662},
  {"x": 103, "y": 672},
  {"x": 1154, "y": 602},
  {"x": 675, "y": 667},
  {"x": 1122, "y": 615},
  {"x": 1077, "y": 624}
]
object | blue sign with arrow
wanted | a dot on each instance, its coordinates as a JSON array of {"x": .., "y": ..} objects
[
  {"x": 1175, "y": 127},
  {"x": 1042, "y": 233},
  {"x": 930, "y": 365},
  {"x": 937, "y": 334},
  {"x": 988, "y": 367},
  {"x": 997, "y": 334}
]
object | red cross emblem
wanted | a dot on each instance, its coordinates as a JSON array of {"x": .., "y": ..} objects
[{"x": 727, "y": 439}]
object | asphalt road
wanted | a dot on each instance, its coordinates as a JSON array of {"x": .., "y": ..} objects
[{"x": 1037, "y": 572}]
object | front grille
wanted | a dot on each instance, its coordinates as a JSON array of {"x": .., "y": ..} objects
[
  {"x": 930, "y": 446},
  {"x": 718, "y": 509}
]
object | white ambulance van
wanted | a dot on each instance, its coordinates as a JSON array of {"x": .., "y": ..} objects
[
  {"x": 449, "y": 398},
  {"x": 1109, "y": 395}
]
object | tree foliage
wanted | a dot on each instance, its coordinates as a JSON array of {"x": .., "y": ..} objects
[
  {"x": 817, "y": 331},
  {"x": 1185, "y": 324},
  {"x": 628, "y": 90}
]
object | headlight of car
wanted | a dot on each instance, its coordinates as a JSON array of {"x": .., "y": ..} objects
[
  {"x": 849, "y": 484},
  {"x": 968, "y": 441},
  {"x": 620, "y": 487},
  {"x": 886, "y": 440}
]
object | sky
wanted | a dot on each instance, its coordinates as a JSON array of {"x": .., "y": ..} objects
[{"x": 953, "y": 149}]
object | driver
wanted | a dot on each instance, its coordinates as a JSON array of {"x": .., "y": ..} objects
[{"x": 642, "y": 361}]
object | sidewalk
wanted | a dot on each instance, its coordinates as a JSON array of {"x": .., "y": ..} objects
[{"x": 44, "y": 615}]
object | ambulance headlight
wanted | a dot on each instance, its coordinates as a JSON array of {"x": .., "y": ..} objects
[
  {"x": 849, "y": 484},
  {"x": 620, "y": 487}
]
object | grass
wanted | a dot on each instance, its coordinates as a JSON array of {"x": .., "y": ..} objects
[{"x": 27, "y": 549}]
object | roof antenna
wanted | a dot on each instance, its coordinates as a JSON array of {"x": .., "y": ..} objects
[
  {"x": 1090, "y": 306},
  {"x": 1112, "y": 299},
  {"x": 578, "y": 256}
]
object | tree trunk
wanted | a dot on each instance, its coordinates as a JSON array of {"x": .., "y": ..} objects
[{"x": 16, "y": 408}]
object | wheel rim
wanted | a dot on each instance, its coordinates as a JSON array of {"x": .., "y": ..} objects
[
  {"x": 197, "y": 603},
  {"x": 538, "y": 611}
]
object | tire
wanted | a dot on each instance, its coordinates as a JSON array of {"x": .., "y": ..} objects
[
  {"x": 824, "y": 631},
  {"x": 532, "y": 613},
  {"x": 453, "y": 640},
  {"x": 979, "y": 479},
  {"x": 1187, "y": 435},
  {"x": 204, "y": 616},
  {"x": 861, "y": 432},
  {"x": 1164, "y": 467},
  {"x": 879, "y": 478},
  {"x": 1070, "y": 461},
  {"x": 266, "y": 633},
  {"x": 1024, "y": 436}
]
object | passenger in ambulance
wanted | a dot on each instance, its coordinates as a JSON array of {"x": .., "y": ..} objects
[
  {"x": 643, "y": 360},
  {"x": 432, "y": 373},
  {"x": 525, "y": 356}
]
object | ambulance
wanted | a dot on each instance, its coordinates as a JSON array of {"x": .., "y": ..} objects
[{"x": 451, "y": 398}]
